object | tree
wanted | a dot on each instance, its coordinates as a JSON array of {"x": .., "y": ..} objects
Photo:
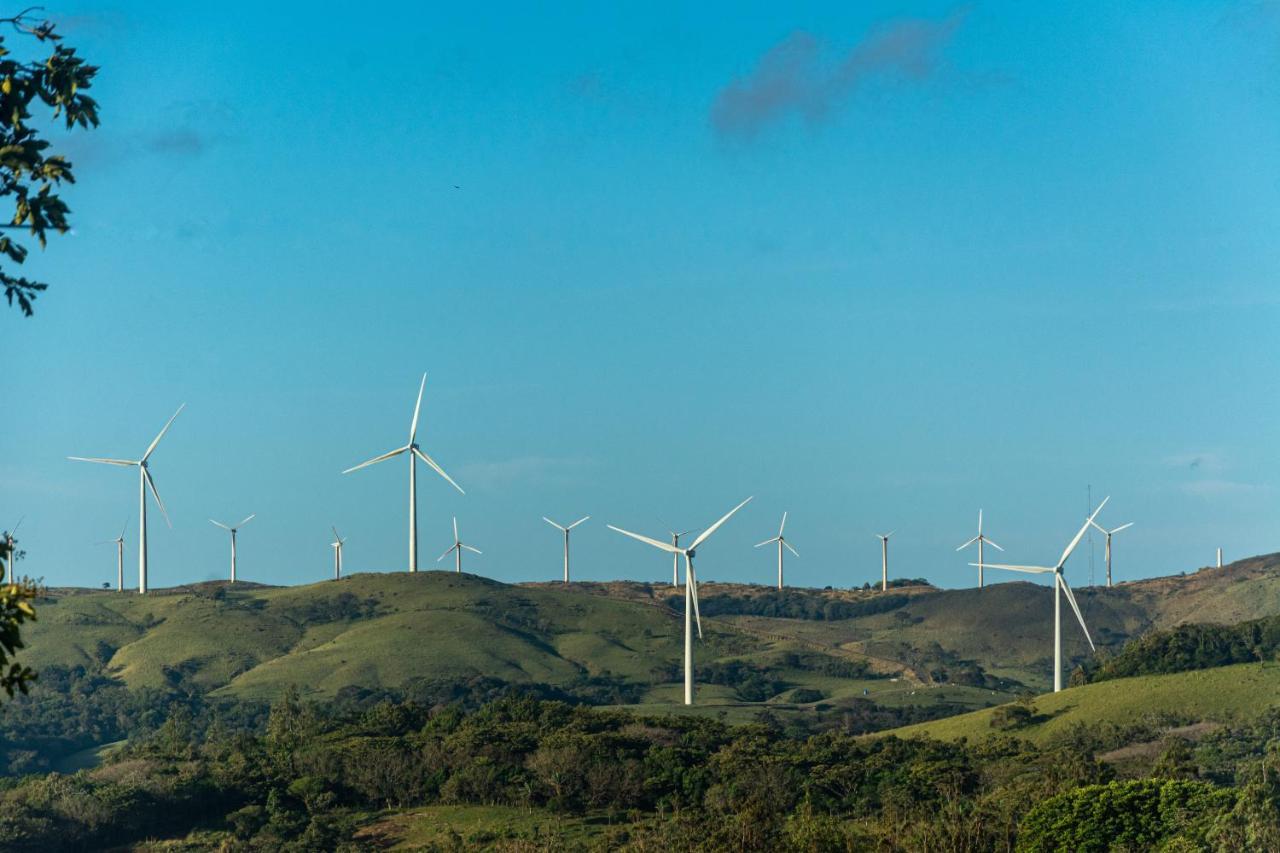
[
  {"x": 15, "y": 609},
  {"x": 28, "y": 174}
]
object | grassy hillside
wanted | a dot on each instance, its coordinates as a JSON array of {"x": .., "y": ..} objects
[{"x": 1225, "y": 694}]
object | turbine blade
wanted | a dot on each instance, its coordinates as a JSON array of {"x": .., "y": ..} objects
[
  {"x": 219, "y": 523},
  {"x": 692, "y": 579},
  {"x": 665, "y": 546},
  {"x": 336, "y": 537},
  {"x": 434, "y": 467},
  {"x": 552, "y": 523},
  {"x": 967, "y": 544},
  {"x": 787, "y": 545},
  {"x": 475, "y": 550},
  {"x": 413, "y": 427},
  {"x": 576, "y": 523},
  {"x": 1031, "y": 570},
  {"x": 783, "y": 525},
  {"x": 446, "y": 553},
  {"x": 455, "y": 529},
  {"x": 992, "y": 544},
  {"x": 713, "y": 528},
  {"x": 979, "y": 522},
  {"x": 375, "y": 460},
  {"x": 152, "y": 484},
  {"x": 1097, "y": 527},
  {"x": 1122, "y": 527},
  {"x": 767, "y": 542},
  {"x": 125, "y": 462},
  {"x": 156, "y": 440},
  {"x": 1071, "y": 599},
  {"x": 252, "y": 515},
  {"x": 1074, "y": 542}
]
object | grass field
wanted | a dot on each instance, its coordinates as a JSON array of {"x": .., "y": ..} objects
[
  {"x": 479, "y": 827},
  {"x": 1217, "y": 695}
]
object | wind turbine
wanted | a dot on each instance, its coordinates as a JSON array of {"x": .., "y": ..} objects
[
  {"x": 233, "y": 540},
  {"x": 566, "y": 540},
  {"x": 1059, "y": 587},
  {"x": 675, "y": 557},
  {"x": 981, "y": 539},
  {"x": 782, "y": 543},
  {"x": 337, "y": 553},
  {"x": 884, "y": 558},
  {"x": 414, "y": 451},
  {"x": 457, "y": 548},
  {"x": 145, "y": 481},
  {"x": 119, "y": 543},
  {"x": 1109, "y": 534},
  {"x": 10, "y": 541},
  {"x": 690, "y": 589}
]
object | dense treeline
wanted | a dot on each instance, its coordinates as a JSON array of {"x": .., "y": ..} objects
[
  {"x": 794, "y": 604},
  {"x": 1192, "y": 646},
  {"x": 670, "y": 783}
]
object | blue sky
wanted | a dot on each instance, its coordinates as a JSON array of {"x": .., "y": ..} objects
[{"x": 876, "y": 264}]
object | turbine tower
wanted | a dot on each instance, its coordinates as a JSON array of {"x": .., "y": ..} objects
[
  {"x": 9, "y": 543},
  {"x": 1059, "y": 588},
  {"x": 337, "y": 553},
  {"x": 457, "y": 548},
  {"x": 145, "y": 481},
  {"x": 1109, "y": 534},
  {"x": 233, "y": 540},
  {"x": 415, "y": 453},
  {"x": 782, "y": 543},
  {"x": 981, "y": 539},
  {"x": 119, "y": 543},
  {"x": 884, "y": 558},
  {"x": 690, "y": 589},
  {"x": 566, "y": 540}
]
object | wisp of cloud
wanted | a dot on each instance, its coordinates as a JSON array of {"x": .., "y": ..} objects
[{"x": 792, "y": 78}]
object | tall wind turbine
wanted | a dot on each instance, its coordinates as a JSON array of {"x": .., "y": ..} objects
[
  {"x": 782, "y": 543},
  {"x": 233, "y": 540},
  {"x": 1109, "y": 534},
  {"x": 337, "y": 553},
  {"x": 457, "y": 548},
  {"x": 1059, "y": 588},
  {"x": 413, "y": 450},
  {"x": 145, "y": 481},
  {"x": 690, "y": 589},
  {"x": 981, "y": 539},
  {"x": 884, "y": 558},
  {"x": 10, "y": 542},
  {"x": 119, "y": 543},
  {"x": 566, "y": 540},
  {"x": 675, "y": 557}
]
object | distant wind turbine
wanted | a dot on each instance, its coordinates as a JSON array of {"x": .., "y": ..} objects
[
  {"x": 884, "y": 558},
  {"x": 675, "y": 557},
  {"x": 1059, "y": 588},
  {"x": 414, "y": 451},
  {"x": 337, "y": 553},
  {"x": 981, "y": 539},
  {"x": 233, "y": 540},
  {"x": 145, "y": 481},
  {"x": 119, "y": 543},
  {"x": 457, "y": 548},
  {"x": 9, "y": 543},
  {"x": 565, "y": 530},
  {"x": 690, "y": 589},
  {"x": 1109, "y": 534},
  {"x": 782, "y": 543}
]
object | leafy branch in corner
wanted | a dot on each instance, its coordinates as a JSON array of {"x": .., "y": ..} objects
[
  {"x": 27, "y": 174},
  {"x": 15, "y": 610}
]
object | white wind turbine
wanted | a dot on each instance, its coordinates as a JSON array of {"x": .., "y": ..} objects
[
  {"x": 119, "y": 543},
  {"x": 690, "y": 589},
  {"x": 1059, "y": 588},
  {"x": 565, "y": 530},
  {"x": 1109, "y": 534},
  {"x": 145, "y": 482},
  {"x": 414, "y": 451},
  {"x": 675, "y": 557},
  {"x": 233, "y": 540},
  {"x": 337, "y": 553},
  {"x": 782, "y": 543},
  {"x": 981, "y": 539},
  {"x": 457, "y": 548},
  {"x": 9, "y": 542},
  {"x": 884, "y": 558}
]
